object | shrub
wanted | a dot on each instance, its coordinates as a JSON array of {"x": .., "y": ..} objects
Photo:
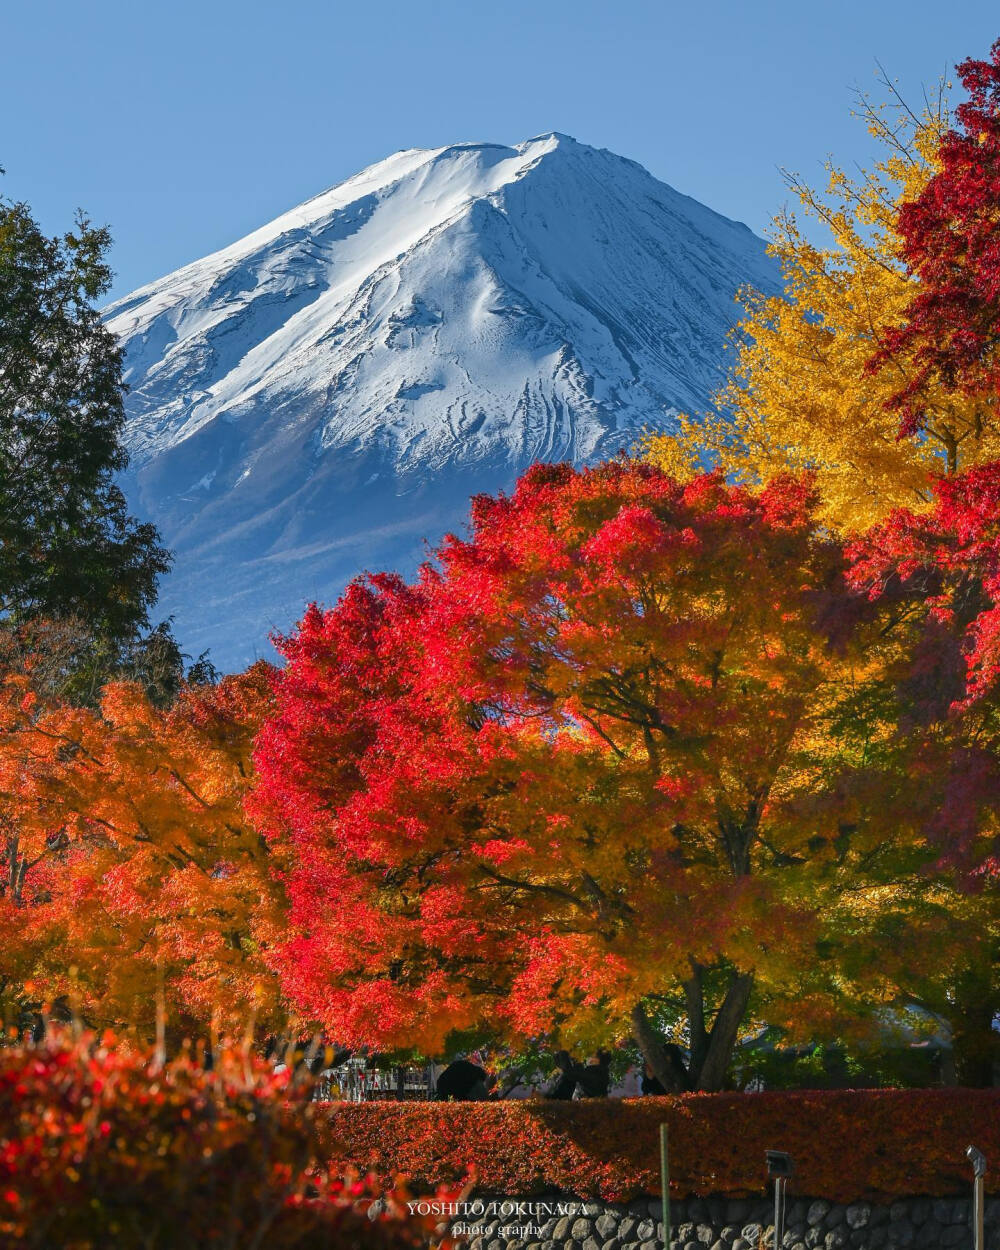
[
  {"x": 100, "y": 1147},
  {"x": 847, "y": 1144}
]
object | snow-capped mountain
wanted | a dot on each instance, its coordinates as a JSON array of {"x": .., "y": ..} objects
[{"x": 324, "y": 395}]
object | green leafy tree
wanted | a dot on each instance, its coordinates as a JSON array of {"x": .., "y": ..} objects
[{"x": 68, "y": 547}]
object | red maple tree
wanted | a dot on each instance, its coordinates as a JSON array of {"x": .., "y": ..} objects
[
  {"x": 550, "y": 788},
  {"x": 951, "y": 245},
  {"x": 936, "y": 577}
]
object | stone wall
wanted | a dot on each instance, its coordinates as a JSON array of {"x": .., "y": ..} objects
[{"x": 561, "y": 1222}]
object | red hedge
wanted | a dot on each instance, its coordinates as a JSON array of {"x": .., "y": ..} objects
[{"x": 847, "y": 1144}]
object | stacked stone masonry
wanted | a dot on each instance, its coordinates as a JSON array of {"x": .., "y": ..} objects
[{"x": 726, "y": 1224}]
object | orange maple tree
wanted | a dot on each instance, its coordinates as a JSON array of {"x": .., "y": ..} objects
[{"x": 130, "y": 872}]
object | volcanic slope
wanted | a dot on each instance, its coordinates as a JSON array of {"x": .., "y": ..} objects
[{"x": 323, "y": 396}]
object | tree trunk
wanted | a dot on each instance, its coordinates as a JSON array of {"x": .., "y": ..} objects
[
  {"x": 711, "y": 1052},
  {"x": 975, "y": 1042},
  {"x": 711, "y": 1074},
  {"x": 694, "y": 994},
  {"x": 663, "y": 1058}
]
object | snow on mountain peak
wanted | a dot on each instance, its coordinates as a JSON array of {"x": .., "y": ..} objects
[{"x": 324, "y": 394}]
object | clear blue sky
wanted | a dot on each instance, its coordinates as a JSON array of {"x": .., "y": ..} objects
[{"x": 185, "y": 124}]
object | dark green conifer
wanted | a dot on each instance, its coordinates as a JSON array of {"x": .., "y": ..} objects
[{"x": 69, "y": 550}]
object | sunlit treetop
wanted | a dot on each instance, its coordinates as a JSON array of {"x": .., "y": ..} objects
[
  {"x": 949, "y": 230},
  {"x": 800, "y": 393}
]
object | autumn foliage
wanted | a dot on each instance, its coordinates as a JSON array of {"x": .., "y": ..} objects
[
  {"x": 950, "y": 327},
  {"x": 937, "y": 576},
  {"x": 847, "y": 1145},
  {"x": 876, "y": 366},
  {"x": 555, "y": 782},
  {"x": 652, "y": 754},
  {"x": 800, "y": 393},
  {"x": 876, "y": 370},
  {"x": 132, "y": 876},
  {"x": 102, "y": 1146}
]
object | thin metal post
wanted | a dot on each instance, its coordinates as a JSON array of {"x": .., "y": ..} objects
[
  {"x": 665, "y": 1185},
  {"x": 978, "y": 1161},
  {"x": 978, "y": 1213},
  {"x": 780, "y": 1166},
  {"x": 779, "y": 1210}
]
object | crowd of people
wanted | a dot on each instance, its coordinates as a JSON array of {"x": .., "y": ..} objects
[
  {"x": 469, "y": 1078},
  {"x": 464, "y": 1080}
]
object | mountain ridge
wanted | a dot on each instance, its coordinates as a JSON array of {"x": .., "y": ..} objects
[{"x": 323, "y": 394}]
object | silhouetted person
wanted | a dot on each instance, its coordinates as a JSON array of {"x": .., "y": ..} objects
[
  {"x": 594, "y": 1077},
  {"x": 464, "y": 1082},
  {"x": 566, "y": 1079},
  {"x": 650, "y": 1084}
]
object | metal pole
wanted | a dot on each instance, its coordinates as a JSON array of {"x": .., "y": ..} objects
[
  {"x": 978, "y": 1161},
  {"x": 665, "y": 1185},
  {"x": 978, "y": 1213},
  {"x": 780, "y": 1167},
  {"x": 779, "y": 1210}
]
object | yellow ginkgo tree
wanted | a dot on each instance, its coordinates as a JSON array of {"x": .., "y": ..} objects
[{"x": 801, "y": 393}]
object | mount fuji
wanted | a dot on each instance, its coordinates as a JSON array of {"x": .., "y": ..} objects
[{"x": 324, "y": 396}]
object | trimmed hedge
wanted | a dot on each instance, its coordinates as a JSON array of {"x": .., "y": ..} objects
[{"x": 847, "y": 1144}]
